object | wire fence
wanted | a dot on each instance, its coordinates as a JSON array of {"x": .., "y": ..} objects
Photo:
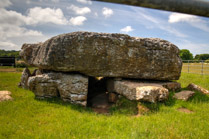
[{"x": 195, "y": 66}]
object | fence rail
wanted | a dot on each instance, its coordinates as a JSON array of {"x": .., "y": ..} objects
[
  {"x": 195, "y": 66},
  {"x": 7, "y": 61}
]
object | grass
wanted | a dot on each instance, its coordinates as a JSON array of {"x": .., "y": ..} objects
[{"x": 27, "y": 117}]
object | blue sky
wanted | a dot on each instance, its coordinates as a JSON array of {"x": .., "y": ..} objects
[{"x": 32, "y": 21}]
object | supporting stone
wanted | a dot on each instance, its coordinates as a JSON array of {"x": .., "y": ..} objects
[
  {"x": 171, "y": 86},
  {"x": 70, "y": 87},
  {"x": 135, "y": 90},
  {"x": 24, "y": 78}
]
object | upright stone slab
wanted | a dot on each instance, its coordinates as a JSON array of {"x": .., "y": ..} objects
[
  {"x": 106, "y": 55},
  {"x": 24, "y": 78},
  {"x": 70, "y": 87}
]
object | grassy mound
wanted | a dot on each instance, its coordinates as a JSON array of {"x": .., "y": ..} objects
[{"x": 26, "y": 117}]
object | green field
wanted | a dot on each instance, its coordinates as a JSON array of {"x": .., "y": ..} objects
[{"x": 27, "y": 117}]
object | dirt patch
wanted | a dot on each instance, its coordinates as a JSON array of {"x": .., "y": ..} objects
[
  {"x": 185, "y": 110},
  {"x": 7, "y": 70},
  {"x": 101, "y": 111}
]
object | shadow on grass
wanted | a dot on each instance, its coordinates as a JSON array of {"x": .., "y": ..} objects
[
  {"x": 154, "y": 107},
  {"x": 128, "y": 107},
  {"x": 124, "y": 105},
  {"x": 58, "y": 101},
  {"x": 199, "y": 98}
]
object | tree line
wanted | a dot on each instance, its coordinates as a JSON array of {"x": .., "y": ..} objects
[
  {"x": 187, "y": 55},
  {"x": 9, "y": 53}
]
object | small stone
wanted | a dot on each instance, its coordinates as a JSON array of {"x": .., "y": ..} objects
[
  {"x": 195, "y": 87},
  {"x": 5, "y": 96},
  {"x": 184, "y": 95}
]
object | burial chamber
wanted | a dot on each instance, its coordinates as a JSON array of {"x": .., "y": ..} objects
[{"x": 68, "y": 65}]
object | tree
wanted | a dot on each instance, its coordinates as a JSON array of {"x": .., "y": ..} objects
[
  {"x": 186, "y": 55},
  {"x": 9, "y": 53},
  {"x": 207, "y": 61},
  {"x": 202, "y": 57}
]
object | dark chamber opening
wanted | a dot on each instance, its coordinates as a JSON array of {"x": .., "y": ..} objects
[{"x": 97, "y": 96}]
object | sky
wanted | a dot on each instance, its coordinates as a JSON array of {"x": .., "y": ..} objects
[{"x": 32, "y": 21}]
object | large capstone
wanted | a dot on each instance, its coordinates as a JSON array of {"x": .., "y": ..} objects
[
  {"x": 106, "y": 55},
  {"x": 70, "y": 87}
]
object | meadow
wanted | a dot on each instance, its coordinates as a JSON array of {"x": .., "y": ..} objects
[{"x": 27, "y": 117}]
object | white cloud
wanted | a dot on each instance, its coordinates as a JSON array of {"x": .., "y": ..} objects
[
  {"x": 177, "y": 17},
  {"x": 193, "y": 47},
  {"x": 77, "y": 21},
  {"x": 9, "y": 31},
  {"x": 11, "y": 17},
  {"x": 38, "y": 15},
  {"x": 107, "y": 12},
  {"x": 80, "y": 11},
  {"x": 194, "y": 21},
  {"x": 5, "y": 3},
  {"x": 126, "y": 29},
  {"x": 12, "y": 30},
  {"x": 143, "y": 17},
  {"x": 84, "y": 1},
  {"x": 7, "y": 45}
]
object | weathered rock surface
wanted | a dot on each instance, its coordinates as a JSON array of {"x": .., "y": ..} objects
[
  {"x": 184, "y": 95},
  {"x": 195, "y": 87},
  {"x": 171, "y": 86},
  {"x": 135, "y": 90},
  {"x": 106, "y": 55},
  {"x": 5, "y": 95},
  {"x": 70, "y": 87},
  {"x": 24, "y": 78}
]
